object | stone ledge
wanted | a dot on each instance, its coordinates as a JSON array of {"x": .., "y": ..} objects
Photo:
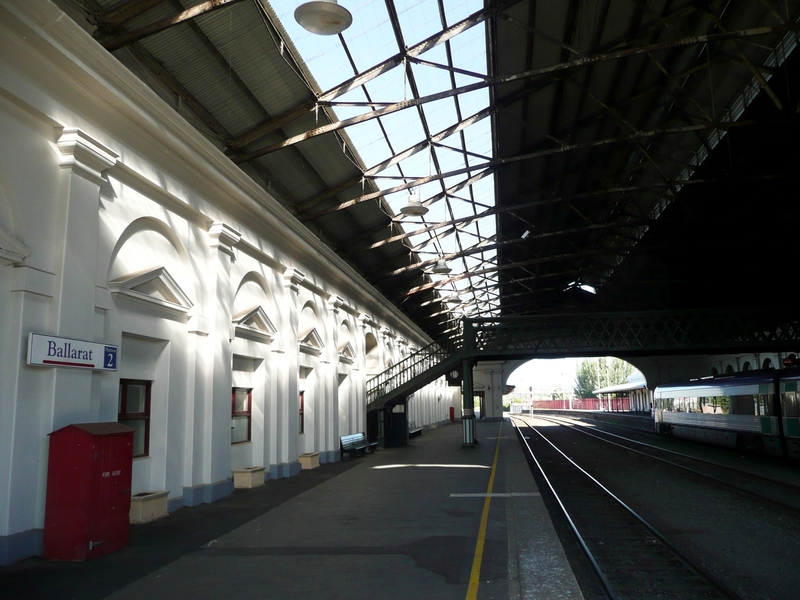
[
  {"x": 309, "y": 460},
  {"x": 249, "y": 477},
  {"x": 148, "y": 506}
]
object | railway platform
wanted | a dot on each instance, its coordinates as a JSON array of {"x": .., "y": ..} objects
[
  {"x": 620, "y": 419},
  {"x": 430, "y": 520}
]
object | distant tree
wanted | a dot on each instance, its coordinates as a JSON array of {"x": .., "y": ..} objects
[
  {"x": 586, "y": 379},
  {"x": 595, "y": 373},
  {"x": 618, "y": 371}
]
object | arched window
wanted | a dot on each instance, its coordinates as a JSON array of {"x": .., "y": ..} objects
[{"x": 372, "y": 354}]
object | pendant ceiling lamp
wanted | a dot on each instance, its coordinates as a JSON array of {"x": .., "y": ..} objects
[
  {"x": 323, "y": 17},
  {"x": 414, "y": 208},
  {"x": 441, "y": 268}
]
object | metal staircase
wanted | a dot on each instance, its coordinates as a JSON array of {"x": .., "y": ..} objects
[{"x": 412, "y": 373}]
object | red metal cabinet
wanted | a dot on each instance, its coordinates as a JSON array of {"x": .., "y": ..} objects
[{"x": 88, "y": 491}]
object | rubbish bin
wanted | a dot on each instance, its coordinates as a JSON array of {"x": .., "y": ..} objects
[
  {"x": 88, "y": 491},
  {"x": 468, "y": 424}
]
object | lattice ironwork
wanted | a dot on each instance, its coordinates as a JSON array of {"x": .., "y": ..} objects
[
  {"x": 618, "y": 334},
  {"x": 628, "y": 334}
]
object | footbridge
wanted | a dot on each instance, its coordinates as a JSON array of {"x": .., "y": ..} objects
[{"x": 625, "y": 335}]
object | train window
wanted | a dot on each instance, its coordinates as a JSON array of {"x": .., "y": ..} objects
[
  {"x": 665, "y": 404},
  {"x": 743, "y": 405},
  {"x": 719, "y": 405},
  {"x": 789, "y": 401},
  {"x": 763, "y": 407}
]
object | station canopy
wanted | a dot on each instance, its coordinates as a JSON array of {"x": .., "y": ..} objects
[{"x": 568, "y": 156}]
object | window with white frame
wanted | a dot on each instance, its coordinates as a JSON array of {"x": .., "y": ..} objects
[
  {"x": 241, "y": 412},
  {"x": 134, "y": 411},
  {"x": 302, "y": 412}
]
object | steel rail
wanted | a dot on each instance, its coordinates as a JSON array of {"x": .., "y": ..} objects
[
  {"x": 708, "y": 579},
  {"x": 579, "y": 429},
  {"x": 572, "y": 525}
]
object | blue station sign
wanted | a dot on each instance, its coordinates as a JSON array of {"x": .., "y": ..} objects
[{"x": 51, "y": 351}]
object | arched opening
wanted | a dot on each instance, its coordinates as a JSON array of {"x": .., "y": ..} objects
[
  {"x": 605, "y": 383},
  {"x": 348, "y": 413},
  {"x": 372, "y": 354},
  {"x": 310, "y": 394}
]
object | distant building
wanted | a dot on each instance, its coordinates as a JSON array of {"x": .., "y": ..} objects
[{"x": 631, "y": 396}]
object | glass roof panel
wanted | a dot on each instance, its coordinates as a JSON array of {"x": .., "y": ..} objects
[{"x": 449, "y": 194}]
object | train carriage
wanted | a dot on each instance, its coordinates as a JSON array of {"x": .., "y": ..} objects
[
  {"x": 739, "y": 411},
  {"x": 790, "y": 401}
]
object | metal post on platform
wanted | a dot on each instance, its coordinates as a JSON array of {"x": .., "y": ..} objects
[{"x": 468, "y": 414}]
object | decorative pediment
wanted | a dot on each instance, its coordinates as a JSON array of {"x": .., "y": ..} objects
[
  {"x": 311, "y": 343},
  {"x": 12, "y": 252},
  {"x": 255, "y": 324},
  {"x": 153, "y": 287},
  {"x": 347, "y": 354}
]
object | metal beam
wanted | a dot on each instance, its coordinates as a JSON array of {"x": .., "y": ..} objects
[
  {"x": 365, "y": 77},
  {"x": 494, "y": 81},
  {"x": 126, "y": 12},
  {"x": 139, "y": 34},
  {"x": 494, "y": 164}
]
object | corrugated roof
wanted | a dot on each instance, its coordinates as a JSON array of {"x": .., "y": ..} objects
[{"x": 594, "y": 129}]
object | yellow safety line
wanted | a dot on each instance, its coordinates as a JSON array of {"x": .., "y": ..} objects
[{"x": 475, "y": 574}]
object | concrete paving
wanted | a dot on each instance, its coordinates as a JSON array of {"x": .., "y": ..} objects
[{"x": 402, "y": 523}]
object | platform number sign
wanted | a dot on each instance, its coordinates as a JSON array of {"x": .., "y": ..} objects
[{"x": 110, "y": 358}]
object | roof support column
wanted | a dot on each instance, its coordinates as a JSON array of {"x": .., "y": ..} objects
[{"x": 468, "y": 406}]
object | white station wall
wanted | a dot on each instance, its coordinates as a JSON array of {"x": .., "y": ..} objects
[{"x": 120, "y": 224}]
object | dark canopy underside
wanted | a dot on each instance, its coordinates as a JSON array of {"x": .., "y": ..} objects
[{"x": 642, "y": 150}]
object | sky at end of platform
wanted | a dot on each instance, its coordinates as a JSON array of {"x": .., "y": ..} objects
[{"x": 540, "y": 373}]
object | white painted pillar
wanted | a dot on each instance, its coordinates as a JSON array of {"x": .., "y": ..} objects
[
  {"x": 216, "y": 392},
  {"x": 23, "y": 435},
  {"x": 386, "y": 354},
  {"x": 360, "y": 389},
  {"x": 193, "y": 435},
  {"x": 337, "y": 405},
  {"x": 288, "y": 398},
  {"x": 82, "y": 161},
  {"x": 492, "y": 372}
]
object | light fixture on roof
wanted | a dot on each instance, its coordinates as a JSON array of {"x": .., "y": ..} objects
[
  {"x": 414, "y": 207},
  {"x": 323, "y": 17},
  {"x": 581, "y": 286},
  {"x": 441, "y": 268},
  {"x": 453, "y": 299},
  {"x": 525, "y": 234}
]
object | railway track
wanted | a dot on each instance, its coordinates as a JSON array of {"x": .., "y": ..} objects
[
  {"x": 771, "y": 490},
  {"x": 631, "y": 558}
]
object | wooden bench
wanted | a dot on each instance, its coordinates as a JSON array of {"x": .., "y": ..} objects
[{"x": 356, "y": 443}]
